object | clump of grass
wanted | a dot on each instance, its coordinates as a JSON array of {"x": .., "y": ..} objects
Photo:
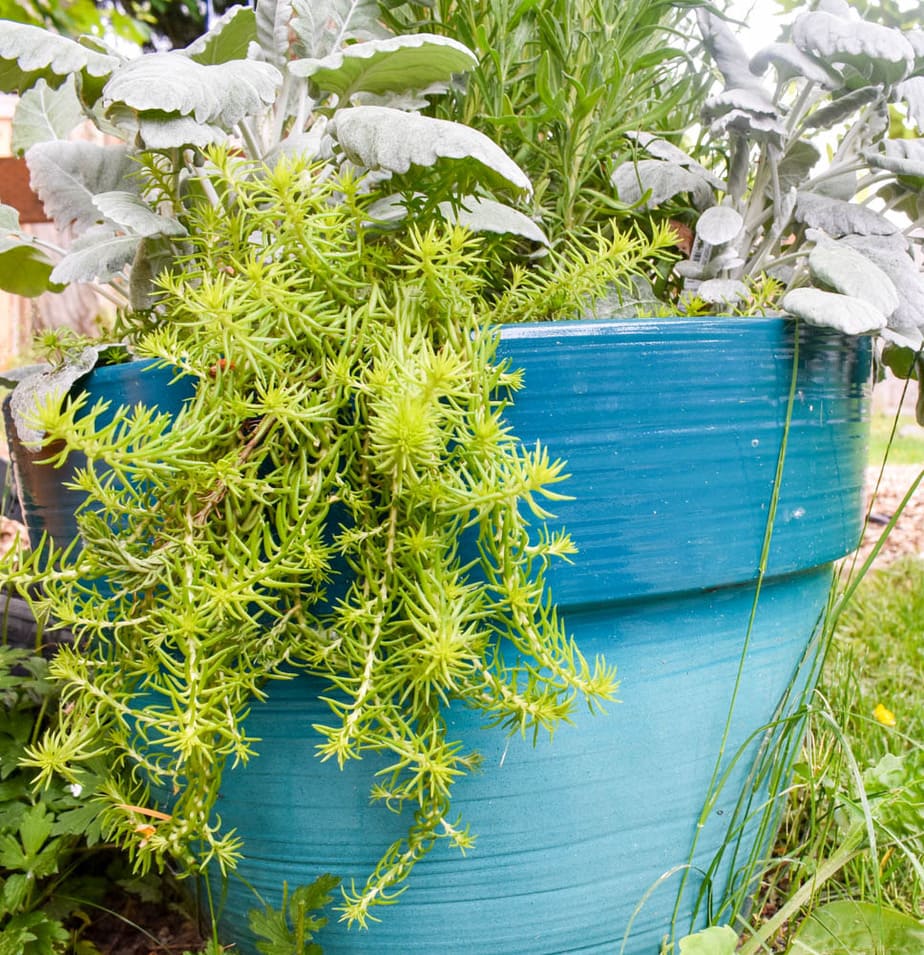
[
  {"x": 873, "y": 681},
  {"x": 854, "y": 828}
]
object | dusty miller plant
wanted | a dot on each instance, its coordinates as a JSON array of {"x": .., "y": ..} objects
[
  {"x": 318, "y": 79},
  {"x": 820, "y": 136}
]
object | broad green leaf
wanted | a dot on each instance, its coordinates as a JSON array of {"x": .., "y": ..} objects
[
  {"x": 44, "y": 114},
  {"x": 25, "y": 270},
  {"x": 35, "y": 828},
  {"x": 228, "y": 39},
  {"x": 719, "y": 225},
  {"x": 715, "y": 940},
  {"x": 900, "y": 357},
  {"x": 66, "y": 176},
  {"x": 15, "y": 892},
  {"x": 132, "y": 213},
  {"x": 172, "y": 84},
  {"x": 849, "y": 272},
  {"x": 852, "y": 316},
  {"x": 29, "y": 53},
  {"x": 488, "y": 215},
  {"x": 32, "y": 933},
  {"x": 11, "y": 853},
  {"x": 380, "y": 138},
  {"x": 837, "y": 217},
  {"x": 276, "y": 929},
  {"x": 272, "y": 27},
  {"x": 99, "y": 254},
  {"x": 84, "y": 821},
  {"x": 381, "y": 66},
  {"x": 890, "y": 773},
  {"x": 324, "y": 26},
  {"x": 879, "y": 53},
  {"x": 858, "y": 928},
  {"x": 654, "y": 181}
]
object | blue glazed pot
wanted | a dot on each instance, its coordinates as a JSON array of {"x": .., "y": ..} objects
[
  {"x": 48, "y": 506},
  {"x": 672, "y": 431}
]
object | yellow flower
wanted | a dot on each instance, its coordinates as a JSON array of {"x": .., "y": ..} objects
[{"x": 883, "y": 715}]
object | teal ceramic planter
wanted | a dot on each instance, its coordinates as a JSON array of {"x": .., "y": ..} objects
[{"x": 672, "y": 431}]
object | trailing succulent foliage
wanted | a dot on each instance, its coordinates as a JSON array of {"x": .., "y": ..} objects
[
  {"x": 318, "y": 79},
  {"x": 342, "y": 497},
  {"x": 835, "y": 231}
]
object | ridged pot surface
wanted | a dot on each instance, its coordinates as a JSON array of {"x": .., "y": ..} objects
[
  {"x": 672, "y": 431},
  {"x": 47, "y": 505}
]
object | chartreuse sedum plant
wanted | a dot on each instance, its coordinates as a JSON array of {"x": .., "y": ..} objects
[{"x": 342, "y": 497}]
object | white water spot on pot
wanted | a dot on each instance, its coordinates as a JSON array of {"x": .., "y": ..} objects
[{"x": 755, "y": 442}]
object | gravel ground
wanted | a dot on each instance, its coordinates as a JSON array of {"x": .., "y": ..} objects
[{"x": 885, "y": 492}]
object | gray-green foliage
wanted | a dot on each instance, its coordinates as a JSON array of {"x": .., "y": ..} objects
[
  {"x": 270, "y": 80},
  {"x": 820, "y": 135},
  {"x": 561, "y": 81},
  {"x": 307, "y": 512}
]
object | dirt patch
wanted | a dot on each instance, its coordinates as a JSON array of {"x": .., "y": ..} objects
[{"x": 133, "y": 927}]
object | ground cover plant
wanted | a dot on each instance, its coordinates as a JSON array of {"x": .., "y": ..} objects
[{"x": 344, "y": 399}]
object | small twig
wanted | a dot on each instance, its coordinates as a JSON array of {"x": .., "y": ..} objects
[{"x": 216, "y": 496}]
